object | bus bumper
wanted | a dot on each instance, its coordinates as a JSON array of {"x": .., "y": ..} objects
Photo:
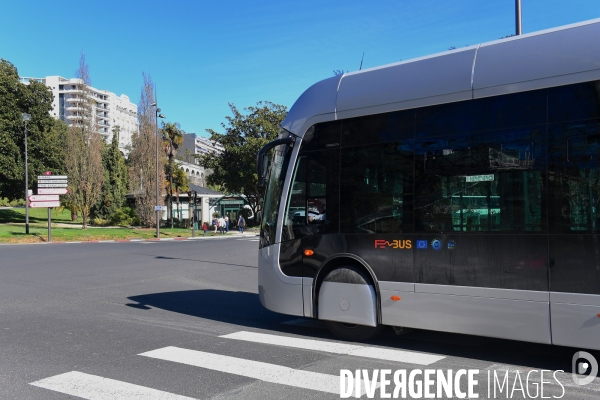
[{"x": 278, "y": 292}]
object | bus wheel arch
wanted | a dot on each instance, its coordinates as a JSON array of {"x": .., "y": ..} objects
[{"x": 346, "y": 297}]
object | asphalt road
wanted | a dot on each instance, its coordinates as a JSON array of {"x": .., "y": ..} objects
[{"x": 175, "y": 320}]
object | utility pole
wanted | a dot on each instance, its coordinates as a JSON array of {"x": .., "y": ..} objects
[
  {"x": 518, "y": 17},
  {"x": 157, "y": 207},
  {"x": 26, "y": 117}
]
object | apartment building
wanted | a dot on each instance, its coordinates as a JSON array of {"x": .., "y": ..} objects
[
  {"x": 197, "y": 145},
  {"x": 109, "y": 109}
]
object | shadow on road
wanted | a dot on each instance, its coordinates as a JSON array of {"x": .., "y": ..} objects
[
  {"x": 240, "y": 308},
  {"x": 243, "y": 308}
]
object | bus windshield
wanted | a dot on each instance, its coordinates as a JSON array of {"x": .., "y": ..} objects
[{"x": 278, "y": 169}]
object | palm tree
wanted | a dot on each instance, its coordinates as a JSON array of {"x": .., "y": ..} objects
[{"x": 172, "y": 141}]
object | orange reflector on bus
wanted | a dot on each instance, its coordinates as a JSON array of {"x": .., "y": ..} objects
[
  {"x": 308, "y": 252},
  {"x": 396, "y": 298}
]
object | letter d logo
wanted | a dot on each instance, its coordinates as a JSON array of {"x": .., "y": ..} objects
[{"x": 582, "y": 367}]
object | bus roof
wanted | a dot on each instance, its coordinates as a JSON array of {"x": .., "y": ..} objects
[{"x": 559, "y": 56}]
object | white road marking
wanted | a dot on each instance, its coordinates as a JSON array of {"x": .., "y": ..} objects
[
  {"x": 251, "y": 369},
  {"x": 338, "y": 348},
  {"x": 94, "y": 387}
]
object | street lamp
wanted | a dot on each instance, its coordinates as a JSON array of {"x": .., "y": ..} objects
[
  {"x": 517, "y": 17},
  {"x": 26, "y": 117},
  {"x": 158, "y": 212}
]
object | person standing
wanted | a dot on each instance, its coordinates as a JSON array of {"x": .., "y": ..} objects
[
  {"x": 221, "y": 222},
  {"x": 215, "y": 224},
  {"x": 226, "y": 223},
  {"x": 204, "y": 227},
  {"x": 241, "y": 224}
]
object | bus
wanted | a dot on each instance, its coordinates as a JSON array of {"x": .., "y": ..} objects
[{"x": 458, "y": 192}]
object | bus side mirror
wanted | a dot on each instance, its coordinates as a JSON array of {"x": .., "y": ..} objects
[
  {"x": 262, "y": 159},
  {"x": 264, "y": 164}
]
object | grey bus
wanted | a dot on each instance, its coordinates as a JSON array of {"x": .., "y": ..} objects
[{"x": 458, "y": 192}]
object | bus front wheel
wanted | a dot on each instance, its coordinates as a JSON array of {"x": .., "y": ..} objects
[{"x": 353, "y": 332}]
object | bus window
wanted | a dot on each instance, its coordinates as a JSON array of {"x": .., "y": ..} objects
[
  {"x": 376, "y": 189},
  {"x": 312, "y": 204},
  {"x": 480, "y": 183},
  {"x": 574, "y": 177},
  {"x": 296, "y": 204}
]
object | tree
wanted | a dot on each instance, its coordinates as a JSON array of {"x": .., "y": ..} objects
[
  {"x": 114, "y": 188},
  {"x": 180, "y": 184},
  {"x": 234, "y": 170},
  {"x": 172, "y": 140},
  {"x": 45, "y": 139},
  {"x": 142, "y": 159},
  {"x": 83, "y": 161}
]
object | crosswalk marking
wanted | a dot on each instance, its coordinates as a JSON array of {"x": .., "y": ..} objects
[
  {"x": 251, "y": 369},
  {"x": 337, "y": 348},
  {"x": 94, "y": 387}
]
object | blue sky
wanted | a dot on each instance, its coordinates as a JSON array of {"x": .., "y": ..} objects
[{"x": 203, "y": 55}]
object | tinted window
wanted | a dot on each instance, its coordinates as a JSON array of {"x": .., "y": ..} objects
[
  {"x": 279, "y": 164},
  {"x": 376, "y": 189},
  {"x": 490, "y": 182},
  {"x": 445, "y": 119},
  {"x": 378, "y": 128},
  {"x": 492, "y": 113},
  {"x": 574, "y": 177},
  {"x": 313, "y": 204},
  {"x": 574, "y": 102},
  {"x": 296, "y": 204},
  {"x": 322, "y": 136}
]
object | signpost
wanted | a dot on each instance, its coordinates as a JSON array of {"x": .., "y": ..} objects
[
  {"x": 49, "y": 188},
  {"x": 43, "y": 204},
  {"x": 53, "y": 191},
  {"x": 46, "y": 197},
  {"x": 52, "y": 185}
]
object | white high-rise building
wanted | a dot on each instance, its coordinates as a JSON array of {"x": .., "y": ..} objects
[
  {"x": 109, "y": 109},
  {"x": 197, "y": 144}
]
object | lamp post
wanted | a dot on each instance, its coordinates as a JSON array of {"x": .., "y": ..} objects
[
  {"x": 517, "y": 17},
  {"x": 26, "y": 117},
  {"x": 158, "y": 212}
]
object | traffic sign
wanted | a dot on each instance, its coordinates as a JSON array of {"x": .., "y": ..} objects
[
  {"x": 52, "y": 177},
  {"x": 157, "y": 208},
  {"x": 53, "y": 181},
  {"x": 53, "y": 191},
  {"x": 47, "y": 197},
  {"x": 52, "y": 185},
  {"x": 43, "y": 204}
]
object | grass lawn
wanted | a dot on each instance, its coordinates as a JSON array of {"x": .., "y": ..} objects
[
  {"x": 17, "y": 215},
  {"x": 12, "y": 228},
  {"x": 38, "y": 233}
]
